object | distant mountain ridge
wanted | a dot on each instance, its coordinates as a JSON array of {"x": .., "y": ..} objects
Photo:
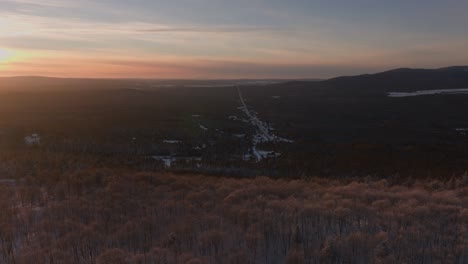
[
  {"x": 404, "y": 80},
  {"x": 395, "y": 80}
]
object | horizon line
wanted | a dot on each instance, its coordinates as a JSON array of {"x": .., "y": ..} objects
[
  {"x": 166, "y": 79},
  {"x": 230, "y": 79}
]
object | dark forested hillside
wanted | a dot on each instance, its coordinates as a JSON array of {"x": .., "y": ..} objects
[
  {"x": 403, "y": 80},
  {"x": 397, "y": 80}
]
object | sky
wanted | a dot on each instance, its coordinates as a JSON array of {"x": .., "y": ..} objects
[{"x": 221, "y": 39}]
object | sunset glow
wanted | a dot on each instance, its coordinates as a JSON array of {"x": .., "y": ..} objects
[
  {"x": 220, "y": 39},
  {"x": 4, "y": 56}
]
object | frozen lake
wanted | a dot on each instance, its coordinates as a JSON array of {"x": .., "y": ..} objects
[{"x": 429, "y": 92}]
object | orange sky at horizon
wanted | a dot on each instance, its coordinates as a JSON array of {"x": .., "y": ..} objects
[
  {"x": 220, "y": 40},
  {"x": 53, "y": 64},
  {"x": 69, "y": 65}
]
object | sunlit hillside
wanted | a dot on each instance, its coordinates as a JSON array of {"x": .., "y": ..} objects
[{"x": 106, "y": 215}]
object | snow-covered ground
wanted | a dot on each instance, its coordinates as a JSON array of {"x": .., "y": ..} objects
[
  {"x": 235, "y": 118},
  {"x": 263, "y": 154},
  {"x": 200, "y": 147},
  {"x": 462, "y": 131},
  {"x": 263, "y": 132},
  {"x": 169, "y": 160},
  {"x": 429, "y": 92}
]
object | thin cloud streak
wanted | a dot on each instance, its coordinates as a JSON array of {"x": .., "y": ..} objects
[
  {"x": 43, "y": 3},
  {"x": 217, "y": 29},
  {"x": 251, "y": 38}
]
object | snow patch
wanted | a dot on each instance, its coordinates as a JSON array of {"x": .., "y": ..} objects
[
  {"x": 235, "y": 118},
  {"x": 428, "y": 92},
  {"x": 259, "y": 155},
  {"x": 32, "y": 140},
  {"x": 199, "y": 147},
  {"x": 169, "y": 160},
  {"x": 247, "y": 157},
  {"x": 462, "y": 131},
  {"x": 263, "y": 154}
]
